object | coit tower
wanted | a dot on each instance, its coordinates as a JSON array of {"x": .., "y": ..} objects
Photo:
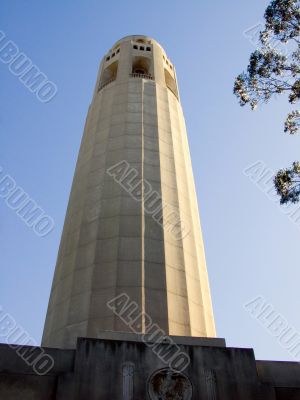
[{"x": 132, "y": 225}]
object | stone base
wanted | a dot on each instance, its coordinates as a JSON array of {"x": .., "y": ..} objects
[{"x": 129, "y": 367}]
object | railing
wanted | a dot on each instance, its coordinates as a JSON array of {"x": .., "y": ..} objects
[
  {"x": 144, "y": 76},
  {"x": 106, "y": 83},
  {"x": 134, "y": 75}
]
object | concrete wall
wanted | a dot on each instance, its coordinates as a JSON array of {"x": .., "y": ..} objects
[
  {"x": 27, "y": 374},
  {"x": 104, "y": 369}
]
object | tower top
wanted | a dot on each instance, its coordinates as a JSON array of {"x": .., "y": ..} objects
[
  {"x": 137, "y": 56},
  {"x": 138, "y": 38}
]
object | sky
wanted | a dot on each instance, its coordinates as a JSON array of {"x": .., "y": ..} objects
[{"x": 252, "y": 245}]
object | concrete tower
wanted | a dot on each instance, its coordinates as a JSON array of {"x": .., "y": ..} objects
[{"x": 132, "y": 224}]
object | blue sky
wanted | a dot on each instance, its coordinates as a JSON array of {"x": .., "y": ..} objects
[{"x": 251, "y": 245}]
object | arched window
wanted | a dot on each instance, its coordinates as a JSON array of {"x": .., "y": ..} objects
[
  {"x": 171, "y": 83},
  {"x": 108, "y": 75},
  {"x": 141, "y": 65}
]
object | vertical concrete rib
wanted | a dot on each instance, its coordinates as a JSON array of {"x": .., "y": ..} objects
[{"x": 143, "y": 308}]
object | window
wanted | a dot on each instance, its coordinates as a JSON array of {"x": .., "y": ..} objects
[
  {"x": 142, "y": 48},
  {"x": 109, "y": 74},
  {"x": 148, "y": 48},
  {"x": 170, "y": 82},
  {"x": 118, "y": 51},
  {"x": 107, "y": 58},
  {"x": 141, "y": 65},
  {"x": 113, "y": 54},
  {"x": 135, "y": 47},
  {"x": 167, "y": 62},
  {"x": 171, "y": 66}
]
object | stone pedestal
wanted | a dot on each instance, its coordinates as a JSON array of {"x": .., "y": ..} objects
[{"x": 131, "y": 367}]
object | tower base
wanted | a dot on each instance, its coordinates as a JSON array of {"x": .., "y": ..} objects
[{"x": 133, "y": 367}]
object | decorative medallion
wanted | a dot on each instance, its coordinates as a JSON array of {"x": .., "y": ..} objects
[{"x": 167, "y": 384}]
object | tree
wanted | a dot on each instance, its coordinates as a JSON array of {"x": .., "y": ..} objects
[
  {"x": 287, "y": 183},
  {"x": 274, "y": 69}
]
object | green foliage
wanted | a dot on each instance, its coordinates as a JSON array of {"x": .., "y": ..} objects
[
  {"x": 282, "y": 20},
  {"x": 287, "y": 183},
  {"x": 274, "y": 69}
]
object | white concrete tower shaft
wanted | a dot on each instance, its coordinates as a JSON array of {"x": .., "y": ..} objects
[{"x": 132, "y": 224}]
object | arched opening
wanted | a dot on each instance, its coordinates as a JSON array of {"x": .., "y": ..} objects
[
  {"x": 171, "y": 83},
  {"x": 141, "y": 66},
  {"x": 109, "y": 75}
]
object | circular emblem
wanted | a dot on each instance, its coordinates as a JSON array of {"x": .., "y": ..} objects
[{"x": 166, "y": 384}]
